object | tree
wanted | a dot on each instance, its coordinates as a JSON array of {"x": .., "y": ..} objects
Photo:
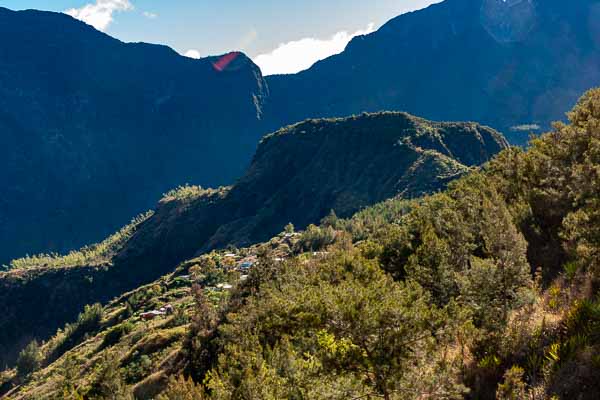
[
  {"x": 204, "y": 317},
  {"x": 66, "y": 385},
  {"x": 581, "y": 227},
  {"x": 108, "y": 383},
  {"x": 430, "y": 267},
  {"x": 30, "y": 359},
  {"x": 88, "y": 321},
  {"x": 340, "y": 324},
  {"x": 554, "y": 189},
  {"x": 289, "y": 228},
  {"x": 201, "y": 345},
  {"x": 181, "y": 388},
  {"x": 331, "y": 220}
]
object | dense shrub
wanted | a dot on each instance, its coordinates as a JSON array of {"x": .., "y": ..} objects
[
  {"x": 30, "y": 359},
  {"x": 115, "y": 334},
  {"x": 108, "y": 383},
  {"x": 87, "y": 322},
  {"x": 180, "y": 388},
  {"x": 316, "y": 238},
  {"x": 300, "y": 336}
]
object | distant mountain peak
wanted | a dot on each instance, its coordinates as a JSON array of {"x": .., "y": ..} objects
[
  {"x": 500, "y": 63},
  {"x": 84, "y": 115}
]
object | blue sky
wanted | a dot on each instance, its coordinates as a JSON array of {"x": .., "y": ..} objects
[{"x": 284, "y": 36}]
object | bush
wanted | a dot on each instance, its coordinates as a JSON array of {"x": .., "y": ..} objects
[
  {"x": 181, "y": 388},
  {"x": 513, "y": 387},
  {"x": 315, "y": 238},
  {"x": 30, "y": 359},
  {"x": 108, "y": 383},
  {"x": 87, "y": 322},
  {"x": 179, "y": 317},
  {"x": 115, "y": 334},
  {"x": 90, "y": 318}
]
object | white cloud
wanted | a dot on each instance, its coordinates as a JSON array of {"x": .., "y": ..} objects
[
  {"x": 100, "y": 14},
  {"x": 150, "y": 15},
  {"x": 192, "y": 54},
  {"x": 299, "y": 55}
]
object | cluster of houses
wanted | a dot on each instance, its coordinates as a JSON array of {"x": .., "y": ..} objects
[
  {"x": 150, "y": 315},
  {"x": 235, "y": 261},
  {"x": 242, "y": 265}
]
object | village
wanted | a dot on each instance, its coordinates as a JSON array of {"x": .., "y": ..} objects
[{"x": 219, "y": 272}]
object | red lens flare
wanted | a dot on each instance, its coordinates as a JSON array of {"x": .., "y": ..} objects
[{"x": 224, "y": 61}]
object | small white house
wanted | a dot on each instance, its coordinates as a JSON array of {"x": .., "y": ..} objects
[{"x": 224, "y": 286}]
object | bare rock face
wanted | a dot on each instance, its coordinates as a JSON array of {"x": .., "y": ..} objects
[{"x": 508, "y": 20}]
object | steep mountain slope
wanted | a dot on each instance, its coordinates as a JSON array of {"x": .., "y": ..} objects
[
  {"x": 93, "y": 130},
  {"x": 434, "y": 298},
  {"x": 302, "y": 172},
  {"x": 507, "y": 64},
  {"x": 89, "y": 116},
  {"x": 298, "y": 175}
]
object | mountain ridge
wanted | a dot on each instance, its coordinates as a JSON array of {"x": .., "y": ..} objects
[
  {"x": 368, "y": 158},
  {"x": 91, "y": 115},
  {"x": 466, "y": 293},
  {"x": 457, "y": 60},
  {"x": 142, "y": 117}
]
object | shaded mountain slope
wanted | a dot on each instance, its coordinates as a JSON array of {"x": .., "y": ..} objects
[
  {"x": 298, "y": 175},
  {"x": 93, "y": 130},
  {"x": 507, "y": 64},
  {"x": 302, "y": 172}
]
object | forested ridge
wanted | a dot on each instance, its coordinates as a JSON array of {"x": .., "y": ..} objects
[
  {"x": 367, "y": 158},
  {"x": 94, "y": 130},
  {"x": 487, "y": 290}
]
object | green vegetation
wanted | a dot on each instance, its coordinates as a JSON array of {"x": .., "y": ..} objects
[
  {"x": 30, "y": 359},
  {"x": 368, "y": 158},
  {"x": 181, "y": 388},
  {"x": 339, "y": 328},
  {"x": 90, "y": 255},
  {"x": 115, "y": 334},
  {"x": 316, "y": 238},
  {"x": 87, "y": 322},
  {"x": 487, "y": 290},
  {"x": 189, "y": 193},
  {"x": 108, "y": 383}
]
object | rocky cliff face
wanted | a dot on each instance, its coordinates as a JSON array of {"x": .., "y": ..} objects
[
  {"x": 299, "y": 174},
  {"x": 514, "y": 65},
  {"x": 93, "y": 130}
]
